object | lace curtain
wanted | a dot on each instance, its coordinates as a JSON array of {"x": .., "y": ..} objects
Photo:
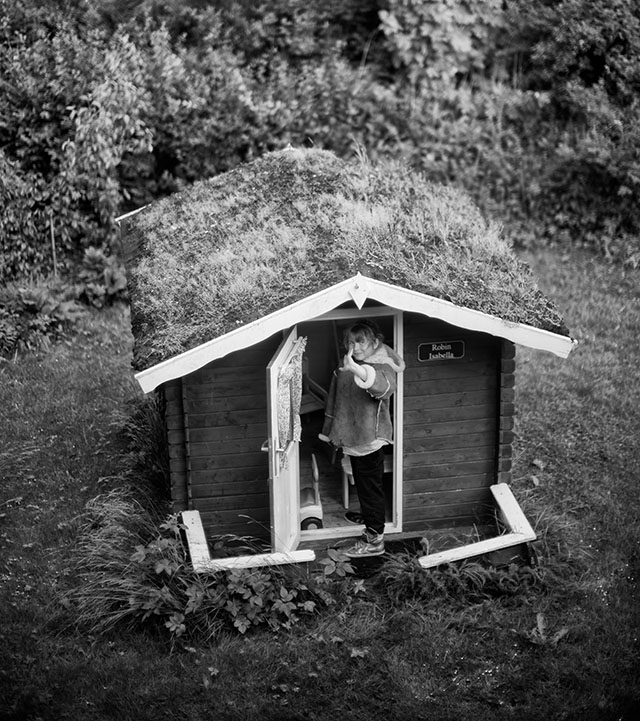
[{"x": 290, "y": 396}]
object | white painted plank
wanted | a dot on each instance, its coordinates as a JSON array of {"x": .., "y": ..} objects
[
  {"x": 201, "y": 559},
  {"x": 263, "y": 559},
  {"x": 472, "y": 549},
  {"x": 196, "y": 539},
  {"x": 514, "y": 518},
  {"x": 520, "y": 531}
]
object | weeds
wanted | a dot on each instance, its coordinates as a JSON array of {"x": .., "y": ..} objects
[
  {"x": 142, "y": 427},
  {"x": 133, "y": 573},
  {"x": 402, "y": 579},
  {"x": 34, "y": 315}
]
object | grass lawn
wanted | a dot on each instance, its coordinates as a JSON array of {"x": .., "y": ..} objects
[{"x": 565, "y": 647}]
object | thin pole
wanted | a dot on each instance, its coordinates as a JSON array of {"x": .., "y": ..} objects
[{"x": 53, "y": 247}]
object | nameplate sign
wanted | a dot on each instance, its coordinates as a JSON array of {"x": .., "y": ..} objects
[{"x": 441, "y": 350}]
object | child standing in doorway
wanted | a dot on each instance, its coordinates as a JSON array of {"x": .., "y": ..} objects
[{"x": 357, "y": 419}]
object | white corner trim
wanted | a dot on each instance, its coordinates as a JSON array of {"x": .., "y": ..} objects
[
  {"x": 203, "y": 563},
  {"x": 520, "y": 531},
  {"x": 357, "y": 289}
]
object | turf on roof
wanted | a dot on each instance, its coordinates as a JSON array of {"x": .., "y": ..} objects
[{"x": 243, "y": 244}]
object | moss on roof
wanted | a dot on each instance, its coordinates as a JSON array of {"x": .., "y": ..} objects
[{"x": 243, "y": 244}]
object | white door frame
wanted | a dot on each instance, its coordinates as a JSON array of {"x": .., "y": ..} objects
[{"x": 395, "y": 526}]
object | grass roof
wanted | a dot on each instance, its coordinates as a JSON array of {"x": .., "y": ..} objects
[{"x": 245, "y": 243}]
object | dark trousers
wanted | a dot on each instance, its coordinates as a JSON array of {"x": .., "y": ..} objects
[{"x": 368, "y": 473}]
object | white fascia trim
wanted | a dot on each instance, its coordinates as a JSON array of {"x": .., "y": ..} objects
[
  {"x": 526, "y": 335},
  {"x": 245, "y": 336},
  {"x": 358, "y": 289}
]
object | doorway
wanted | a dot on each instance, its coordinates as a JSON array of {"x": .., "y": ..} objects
[{"x": 327, "y": 492}]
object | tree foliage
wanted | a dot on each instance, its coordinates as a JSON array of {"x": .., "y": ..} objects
[
  {"x": 442, "y": 39},
  {"x": 530, "y": 105},
  {"x": 69, "y": 109}
]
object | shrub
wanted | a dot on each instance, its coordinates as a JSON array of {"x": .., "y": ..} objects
[
  {"x": 101, "y": 279},
  {"x": 69, "y": 109},
  {"x": 124, "y": 103},
  {"x": 584, "y": 42},
  {"x": 23, "y": 223},
  {"x": 402, "y": 579},
  {"x": 132, "y": 572},
  {"x": 584, "y": 56},
  {"x": 439, "y": 40},
  {"x": 32, "y": 317}
]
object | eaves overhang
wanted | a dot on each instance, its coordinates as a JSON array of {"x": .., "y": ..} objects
[{"x": 357, "y": 289}]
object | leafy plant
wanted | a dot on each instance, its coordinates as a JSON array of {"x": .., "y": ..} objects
[
  {"x": 402, "y": 578},
  {"x": 102, "y": 279},
  {"x": 584, "y": 42},
  {"x": 132, "y": 573},
  {"x": 32, "y": 317},
  {"x": 336, "y": 564},
  {"x": 70, "y": 108},
  {"x": 440, "y": 39}
]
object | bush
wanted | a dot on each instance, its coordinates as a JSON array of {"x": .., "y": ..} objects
[
  {"x": 109, "y": 107},
  {"x": 585, "y": 57},
  {"x": 577, "y": 42},
  {"x": 101, "y": 279},
  {"x": 69, "y": 110},
  {"x": 133, "y": 573},
  {"x": 32, "y": 317},
  {"x": 402, "y": 579},
  {"x": 23, "y": 223},
  {"x": 441, "y": 41},
  {"x": 35, "y": 314}
]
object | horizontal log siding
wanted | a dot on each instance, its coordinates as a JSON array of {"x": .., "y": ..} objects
[
  {"x": 174, "y": 422},
  {"x": 225, "y": 408},
  {"x": 451, "y": 418}
]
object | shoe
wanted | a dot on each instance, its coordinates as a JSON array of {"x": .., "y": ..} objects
[
  {"x": 354, "y": 517},
  {"x": 367, "y": 545}
]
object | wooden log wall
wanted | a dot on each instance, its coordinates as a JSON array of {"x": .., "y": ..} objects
[
  {"x": 225, "y": 411},
  {"x": 452, "y": 414}
]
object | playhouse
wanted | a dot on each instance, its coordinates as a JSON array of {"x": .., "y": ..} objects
[{"x": 241, "y": 288}]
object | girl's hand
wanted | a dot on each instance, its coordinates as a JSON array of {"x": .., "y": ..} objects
[{"x": 348, "y": 364}]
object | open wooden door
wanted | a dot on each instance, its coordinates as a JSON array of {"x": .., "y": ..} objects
[{"x": 284, "y": 392}]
